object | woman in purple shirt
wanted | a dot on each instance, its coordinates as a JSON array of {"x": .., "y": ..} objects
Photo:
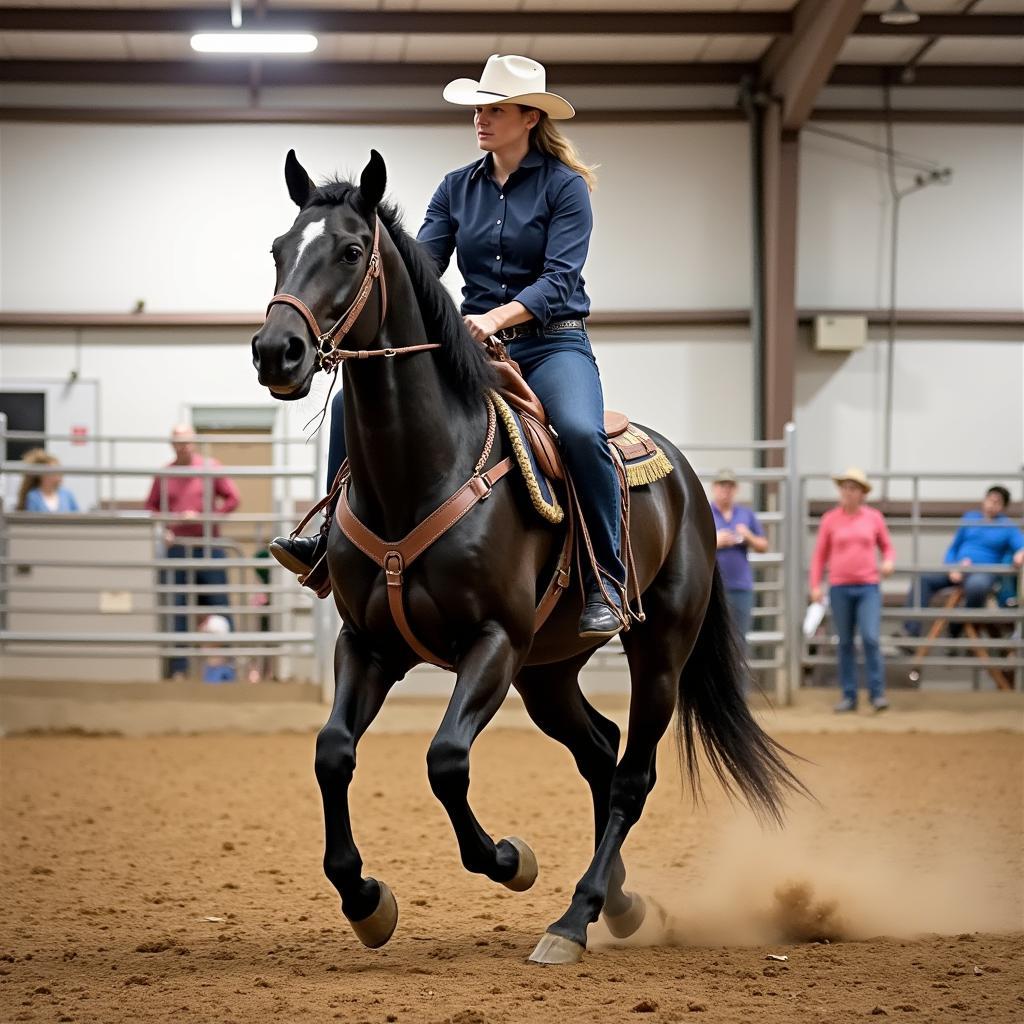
[
  {"x": 519, "y": 223},
  {"x": 738, "y": 530}
]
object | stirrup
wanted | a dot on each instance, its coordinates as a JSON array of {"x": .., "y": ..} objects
[{"x": 318, "y": 579}]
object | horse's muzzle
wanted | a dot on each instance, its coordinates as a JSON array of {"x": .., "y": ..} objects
[{"x": 285, "y": 362}]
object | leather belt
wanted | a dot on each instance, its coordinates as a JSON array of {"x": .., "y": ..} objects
[{"x": 533, "y": 329}]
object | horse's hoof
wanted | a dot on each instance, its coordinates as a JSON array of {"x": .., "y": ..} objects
[
  {"x": 526, "y": 873},
  {"x": 375, "y": 930},
  {"x": 625, "y": 924},
  {"x": 556, "y": 949}
]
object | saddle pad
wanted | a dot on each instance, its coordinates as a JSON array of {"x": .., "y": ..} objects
[
  {"x": 645, "y": 462},
  {"x": 542, "y": 493}
]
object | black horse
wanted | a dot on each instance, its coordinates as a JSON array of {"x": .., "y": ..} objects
[{"x": 415, "y": 425}]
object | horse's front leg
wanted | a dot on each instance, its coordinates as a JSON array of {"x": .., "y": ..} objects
[
  {"x": 484, "y": 675},
  {"x": 360, "y": 688}
]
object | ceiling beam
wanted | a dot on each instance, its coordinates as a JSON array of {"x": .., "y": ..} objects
[
  {"x": 797, "y": 66},
  {"x": 958, "y": 76},
  {"x": 405, "y": 116},
  {"x": 573, "y": 23},
  {"x": 945, "y": 25},
  {"x": 333, "y": 115},
  {"x": 332, "y": 73},
  {"x": 236, "y": 72}
]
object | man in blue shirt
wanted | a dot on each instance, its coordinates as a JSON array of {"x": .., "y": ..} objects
[
  {"x": 737, "y": 530},
  {"x": 987, "y": 536}
]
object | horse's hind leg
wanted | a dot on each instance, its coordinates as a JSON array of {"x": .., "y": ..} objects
[
  {"x": 657, "y": 651},
  {"x": 359, "y": 694},
  {"x": 553, "y": 699},
  {"x": 485, "y": 674}
]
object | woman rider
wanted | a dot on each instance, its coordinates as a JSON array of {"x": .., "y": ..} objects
[{"x": 519, "y": 222}]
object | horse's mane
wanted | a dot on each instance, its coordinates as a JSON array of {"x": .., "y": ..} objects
[{"x": 463, "y": 361}]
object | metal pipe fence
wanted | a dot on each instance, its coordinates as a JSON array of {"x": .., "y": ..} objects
[
  {"x": 114, "y": 565},
  {"x": 124, "y": 582}
]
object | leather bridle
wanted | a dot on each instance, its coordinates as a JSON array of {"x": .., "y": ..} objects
[{"x": 328, "y": 354}]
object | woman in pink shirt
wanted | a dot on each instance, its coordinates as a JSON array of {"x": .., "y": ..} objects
[{"x": 848, "y": 539}]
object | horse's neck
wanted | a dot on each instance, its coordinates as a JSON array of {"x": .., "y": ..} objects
[{"x": 410, "y": 440}]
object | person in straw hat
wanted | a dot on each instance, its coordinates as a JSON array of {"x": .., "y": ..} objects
[
  {"x": 848, "y": 538},
  {"x": 519, "y": 221}
]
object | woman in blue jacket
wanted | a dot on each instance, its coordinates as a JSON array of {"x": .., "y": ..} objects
[{"x": 43, "y": 492}]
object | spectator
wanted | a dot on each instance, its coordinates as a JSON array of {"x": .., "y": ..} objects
[
  {"x": 987, "y": 536},
  {"x": 216, "y": 667},
  {"x": 847, "y": 539},
  {"x": 183, "y": 495},
  {"x": 738, "y": 530},
  {"x": 43, "y": 492}
]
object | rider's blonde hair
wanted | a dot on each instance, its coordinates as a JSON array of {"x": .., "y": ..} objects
[{"x": 548, "y": 139}]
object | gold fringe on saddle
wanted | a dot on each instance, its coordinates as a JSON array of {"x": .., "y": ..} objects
[
  {"x": 642, "y": 460},
  {"x": 645, "y": 462},
  {"x": 551, "y": 511}
]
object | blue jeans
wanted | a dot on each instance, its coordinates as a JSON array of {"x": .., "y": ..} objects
[
  {"x": 337, "y": 452},
  {"x": 194, "y": 577},
  {"x": 977, "y": 586},
  {"x": 561, "y": 368},
  {"x": 857, "y": 608},
  {"x": 741, "y": 604}
]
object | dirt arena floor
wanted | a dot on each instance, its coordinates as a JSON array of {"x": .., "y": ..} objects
[{"x": 178, "y": 879}]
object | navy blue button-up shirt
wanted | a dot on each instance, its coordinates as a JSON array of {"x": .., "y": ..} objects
[{"x": 525, "y": 241}]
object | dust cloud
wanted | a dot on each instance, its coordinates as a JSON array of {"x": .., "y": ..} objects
[{"x": 812, "y": 884}]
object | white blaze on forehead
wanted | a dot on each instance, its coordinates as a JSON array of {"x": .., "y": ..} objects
[{"x": 312, "y": 230}]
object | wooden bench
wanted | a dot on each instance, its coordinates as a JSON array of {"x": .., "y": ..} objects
[{"x": 951, "y": 598}]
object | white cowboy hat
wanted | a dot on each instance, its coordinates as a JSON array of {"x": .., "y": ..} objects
[
  {"x": 855, "y": 476},
  {"x": 509, "y": 79}
]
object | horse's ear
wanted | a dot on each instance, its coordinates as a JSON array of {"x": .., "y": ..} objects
[
  {"x": 300, "y": 185},
  {"x": 373, "y": 182}
]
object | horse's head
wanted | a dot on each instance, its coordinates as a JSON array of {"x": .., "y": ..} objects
[{"x": 321, "y": 260}]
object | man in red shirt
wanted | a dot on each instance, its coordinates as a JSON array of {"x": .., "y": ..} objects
[{"x": 184, "y": 495}]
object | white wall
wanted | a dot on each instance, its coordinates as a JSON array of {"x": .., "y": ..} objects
[
  {"x": 958, "y": 406},
  {"x": 957, "y": 391},
  {"x": 961, "y": 245},
  {"x": 149, "y": 379},
  {"x": 96, "y": 217}
]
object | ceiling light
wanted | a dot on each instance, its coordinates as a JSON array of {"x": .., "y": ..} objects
[
  {"x": 254, "y": 42},
  {"x": 900, "y": 14}
]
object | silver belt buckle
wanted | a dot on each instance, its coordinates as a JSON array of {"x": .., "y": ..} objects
[{"x": 507, "y": 334}]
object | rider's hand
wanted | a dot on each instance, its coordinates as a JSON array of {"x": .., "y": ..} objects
[
  {"x": 481, "y": 325},
  {"x": 727, "y": 539}
]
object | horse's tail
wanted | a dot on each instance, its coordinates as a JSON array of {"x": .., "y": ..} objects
[{"x": 712, "y": 706}]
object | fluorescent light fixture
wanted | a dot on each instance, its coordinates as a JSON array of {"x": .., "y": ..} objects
[
  {"x": 254, "y": 42},
  {"x": 900, "y": 14}
]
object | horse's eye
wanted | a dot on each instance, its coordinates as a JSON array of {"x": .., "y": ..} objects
[{"x": 352, "y": 254}]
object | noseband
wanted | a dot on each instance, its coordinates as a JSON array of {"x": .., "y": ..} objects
[{"x": 328, "y": 355}]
